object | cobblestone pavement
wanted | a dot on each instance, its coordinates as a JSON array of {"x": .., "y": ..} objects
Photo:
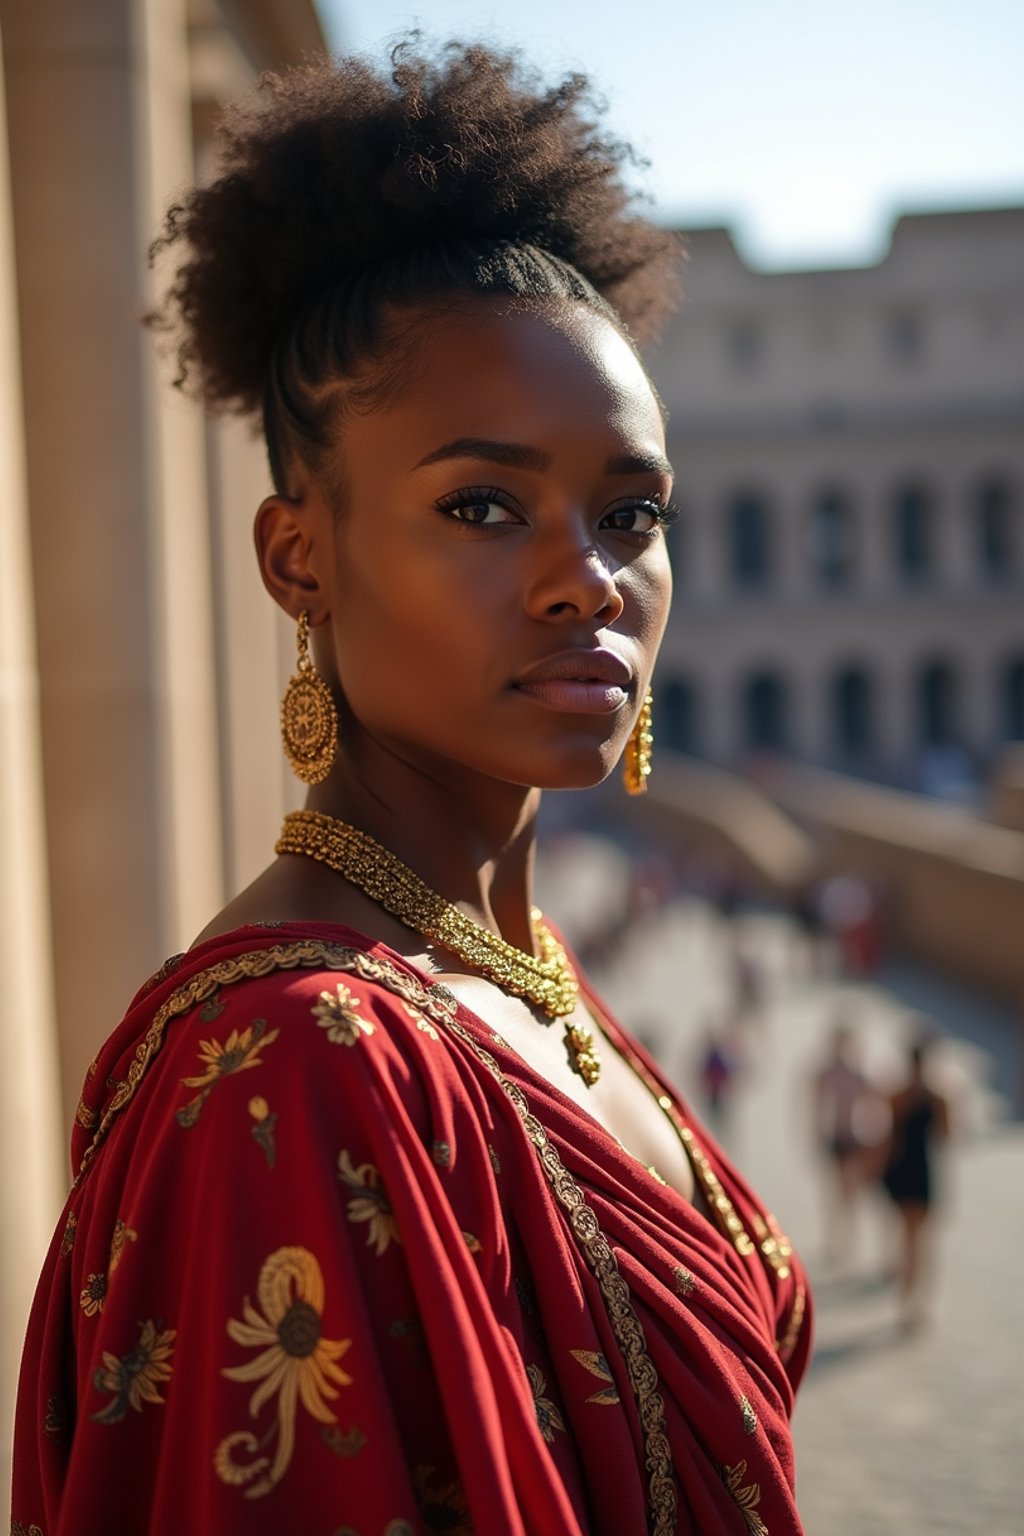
[{"x": 895, "y": 1432}]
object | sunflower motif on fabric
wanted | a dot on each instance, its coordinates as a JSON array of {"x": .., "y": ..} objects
[
  {"x": 338, "y": 1013},
  {"x": 748, "y": 1498},
  {"x": 239, "y": 1053},
  {"x": 370, "y": 1203},
  {"x": 93, "y": 1295},
  {"x": 296, "y": 1363},
  {"x": 548, "y": 1417},
  {"x": 135, "y": 1378}
]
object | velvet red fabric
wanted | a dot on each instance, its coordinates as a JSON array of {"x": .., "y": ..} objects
[{"x": 336, "y": 1261}]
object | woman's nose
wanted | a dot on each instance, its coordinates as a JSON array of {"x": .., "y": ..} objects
[{"x": 571, "y": 578}]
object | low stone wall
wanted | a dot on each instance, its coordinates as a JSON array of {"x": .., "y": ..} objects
[{"x": 952, "y": 884}]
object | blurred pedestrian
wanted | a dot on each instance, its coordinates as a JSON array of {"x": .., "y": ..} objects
[
  {"x": 719, "y": 1064},
  {"x": 920, "y": 1123},
  {"x": 847, "y": 1115}
]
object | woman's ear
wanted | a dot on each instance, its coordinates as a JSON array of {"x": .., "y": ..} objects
[{"x": 287, "y": 548}]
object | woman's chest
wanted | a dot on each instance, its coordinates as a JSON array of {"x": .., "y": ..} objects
[{"x": 619, "y": 1100}]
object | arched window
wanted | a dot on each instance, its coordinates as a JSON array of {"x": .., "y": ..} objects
[
  {"x": 765, "y": 727},
  {"x": 675, "y": 716},
  {"x": 831, "y": 539},
  {"x": 852, "y": 716},
  {"x": 1013, "y": 699},
  {"x": 994, "y": 531},
  {"x": 912, "y": 533},
  {"x": 937, "y": 705},
  {"x": 749, "y": 543}
]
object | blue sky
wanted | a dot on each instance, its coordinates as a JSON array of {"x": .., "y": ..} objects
[{"x": 803, "y": 126}]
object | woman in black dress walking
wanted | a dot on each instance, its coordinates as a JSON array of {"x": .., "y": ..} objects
[{"x": 920, "y": 1121}]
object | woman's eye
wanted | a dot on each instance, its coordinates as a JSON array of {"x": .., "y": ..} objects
[
  {"x": 638, "y": 517},
  {"x": 477, "y": 507}
]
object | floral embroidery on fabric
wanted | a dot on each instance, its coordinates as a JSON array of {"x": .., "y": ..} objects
[
  {"x": 211, "y": 1009},
  {"x": 747, "y": 1498},
  {"x": 262, "y": 1131},
  {"x": 338, "y": 1013},
  {"x": 598, "y": 1366},
  {"x": 370, "y": 1203},
  {"x": 67, "y": 1242},
  {"x": 472, "y": 1243},
  {"x": 93, "y": 1294},
  {"x": 422, "y": 1024},
  {"x": 239, "y": 1053},
  {"x": 495, "y": 1160},
  {"x": 123, "y": 1234},
  {"x": 441, "y": 1152},
  {"x": 444, "y": 1506},
  {"x": 749, "y": 1416},
  {"x": 17, "y": 1529},
  {"x": 683, "y": 1280},
  {"x": 295, "y": 1362},
  {"x": 53, "y": 1423},
  {"x": 548, "y": 1416},
  {"x": 135, "y": 1378},
  {"x": 346, "y": 1445}
]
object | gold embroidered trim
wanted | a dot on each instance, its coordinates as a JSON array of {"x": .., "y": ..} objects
[
  {"x": 626, "y": 1325},
  {"x": 775, "y": 1245},
  {"x": 796, "y": 1319},
  {"x": 307, "y": 953},
  {"x": 722, "y": 1207},
  {"x": 440, "y": 1005}
]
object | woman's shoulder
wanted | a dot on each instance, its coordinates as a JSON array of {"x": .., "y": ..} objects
[{"x": 326, "y": 1008}]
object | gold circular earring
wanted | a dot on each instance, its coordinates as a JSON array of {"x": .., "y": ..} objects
[
  {"x": 636, "y": 763},
  {"x": 309, "y": 720}
]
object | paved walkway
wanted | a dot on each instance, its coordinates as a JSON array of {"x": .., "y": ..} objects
[{"x": 894, "y": 1433}]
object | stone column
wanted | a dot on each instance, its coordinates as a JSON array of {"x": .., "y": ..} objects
[
  {"x": 99, "y": 136},
  {"x": 31, "y": 1158}
]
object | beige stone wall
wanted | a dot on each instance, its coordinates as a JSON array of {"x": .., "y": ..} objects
[{"x": 952, "y": 884}]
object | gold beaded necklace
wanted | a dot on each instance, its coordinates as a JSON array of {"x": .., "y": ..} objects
[{"x": 549, "y": 982}]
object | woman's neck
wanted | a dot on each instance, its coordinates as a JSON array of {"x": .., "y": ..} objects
[{"x": 469, "y": 839}]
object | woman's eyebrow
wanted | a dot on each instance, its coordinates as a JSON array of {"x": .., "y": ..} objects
[
  {"x": 512, "y": 455},
  {"x": 522, "y": 456},
  {"x": 638, "y": 464}
]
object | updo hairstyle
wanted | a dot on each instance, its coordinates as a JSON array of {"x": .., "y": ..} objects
[{"x": 350, "y": 196}]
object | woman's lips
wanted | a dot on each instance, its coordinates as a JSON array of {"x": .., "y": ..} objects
[
  {"x": 581, "y": 680},
  {"x": 575, "y": 695}
]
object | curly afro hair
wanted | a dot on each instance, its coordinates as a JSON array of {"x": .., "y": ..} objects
[{"x": 348, "y": 193}]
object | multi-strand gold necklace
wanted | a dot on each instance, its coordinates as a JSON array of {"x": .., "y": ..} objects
[{"x": 548, "y": 980}]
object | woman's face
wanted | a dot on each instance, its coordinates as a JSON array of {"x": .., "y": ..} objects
[{"x": 501, "y": 581}]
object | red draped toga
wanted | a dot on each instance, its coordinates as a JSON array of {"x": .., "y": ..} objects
[{"x": 337, "y": 1262}]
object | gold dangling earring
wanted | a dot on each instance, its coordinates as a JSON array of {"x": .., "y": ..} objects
[
  {"x": 309, "y": 720},
  {"x": 636, "y": 766}
]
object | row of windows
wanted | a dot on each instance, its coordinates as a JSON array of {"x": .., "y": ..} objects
[
  {"x": 903, "y": 335},
  {"x": 765, "y": 711},
  {"x": 833, "y": 542}
]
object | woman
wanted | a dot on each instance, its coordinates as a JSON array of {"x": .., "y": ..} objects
[
  {"x": 920, "y": 1124},
  {"x": 380, "y": 1222}
]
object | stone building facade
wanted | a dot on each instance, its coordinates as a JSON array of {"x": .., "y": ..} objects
[{"x": 850, "y": 455}]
